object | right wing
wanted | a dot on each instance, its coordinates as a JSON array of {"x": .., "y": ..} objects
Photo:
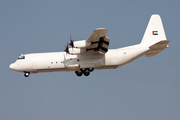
[{"x": 98, "y": 41}]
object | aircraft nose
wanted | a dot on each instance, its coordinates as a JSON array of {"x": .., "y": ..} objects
[{"x": 12, "y": 66}]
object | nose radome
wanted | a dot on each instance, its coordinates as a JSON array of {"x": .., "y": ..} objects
[{"x": 12, "y": 66}]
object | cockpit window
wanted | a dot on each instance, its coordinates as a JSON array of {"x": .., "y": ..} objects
[{"x": 21, "y": 57}]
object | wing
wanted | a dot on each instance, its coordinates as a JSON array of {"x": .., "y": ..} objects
[{"x": 98, "y": 41}]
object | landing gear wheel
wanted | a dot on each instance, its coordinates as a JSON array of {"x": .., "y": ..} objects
[
  {"x": 83, "y": 70},
  {"x": 86, "y": 73},
  {"x": 90, "y": 69},
  {"x": 78, "y": 73},
  {"x": 26, "y": 74}
]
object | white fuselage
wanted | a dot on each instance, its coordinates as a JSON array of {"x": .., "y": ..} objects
[
  {"x": 61, "y": 61},
  {"x": 84, "y": 56}
]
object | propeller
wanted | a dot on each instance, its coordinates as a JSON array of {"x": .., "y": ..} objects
[
  {"x": 67, "y": 48},
  {"x": 71, "y": 42}
]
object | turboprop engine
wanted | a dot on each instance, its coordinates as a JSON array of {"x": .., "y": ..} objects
[
  {"x": 77, "y": 47},
  {"x": 101, "y": 44},
  {"x": 81, "y": 44},
  {"x": 76, "y": 51}
]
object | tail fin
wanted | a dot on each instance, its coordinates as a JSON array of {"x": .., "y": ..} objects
[{"x": 154, "y": 36}]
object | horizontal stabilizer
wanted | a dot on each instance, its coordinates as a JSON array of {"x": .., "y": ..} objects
[{"x": 157, "y": 48}]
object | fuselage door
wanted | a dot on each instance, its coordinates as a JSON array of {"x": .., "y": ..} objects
[{"x": 34, "y": 65}]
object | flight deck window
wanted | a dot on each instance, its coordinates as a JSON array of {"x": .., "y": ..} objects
[{"x": 21, "y": 57}]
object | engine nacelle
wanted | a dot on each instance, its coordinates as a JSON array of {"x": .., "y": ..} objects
[
  {"x": 75, "y": 51},
  {"x": 81, "y": 44}
]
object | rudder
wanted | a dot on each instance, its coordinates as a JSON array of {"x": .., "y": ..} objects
[{"x": 154, "y": 32}]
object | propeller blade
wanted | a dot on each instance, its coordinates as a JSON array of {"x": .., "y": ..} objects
[
  {"x": 67, "y": 48},
  {"x": 71, "y": 42},
  {"x": 70, "y": 37}
]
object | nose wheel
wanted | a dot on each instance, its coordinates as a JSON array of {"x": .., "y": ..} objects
[{"x": 26, "y": 74}]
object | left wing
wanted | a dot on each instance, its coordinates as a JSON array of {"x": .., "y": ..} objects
[{"x": 98, "y": 41}]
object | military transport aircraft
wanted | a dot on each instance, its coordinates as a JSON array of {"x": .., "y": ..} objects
[{"x": 92, "y": 54}]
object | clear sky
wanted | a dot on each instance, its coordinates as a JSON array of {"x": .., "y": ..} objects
[{"x": 146, "y": 89}]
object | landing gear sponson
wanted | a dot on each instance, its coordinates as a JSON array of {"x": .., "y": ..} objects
[{"x": 85, "y": 71}]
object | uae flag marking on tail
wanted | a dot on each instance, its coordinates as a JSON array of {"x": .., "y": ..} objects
[{"x": 155, "y": 32}]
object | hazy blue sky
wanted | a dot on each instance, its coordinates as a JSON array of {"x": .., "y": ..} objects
[{"x": 146, "y": 89}]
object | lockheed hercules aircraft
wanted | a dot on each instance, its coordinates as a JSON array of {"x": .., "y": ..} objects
[{"x": 91, "y": 54}]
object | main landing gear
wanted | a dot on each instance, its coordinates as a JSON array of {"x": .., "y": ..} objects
[
  {"x": 26, "y": 74},
  {"x": 85, "y": 71}
]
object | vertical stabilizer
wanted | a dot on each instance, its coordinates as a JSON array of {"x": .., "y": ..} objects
[{"x": 154, "y": 32}]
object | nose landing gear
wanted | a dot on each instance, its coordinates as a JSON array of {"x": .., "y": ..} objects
[{"x": 26, "y": 74}]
